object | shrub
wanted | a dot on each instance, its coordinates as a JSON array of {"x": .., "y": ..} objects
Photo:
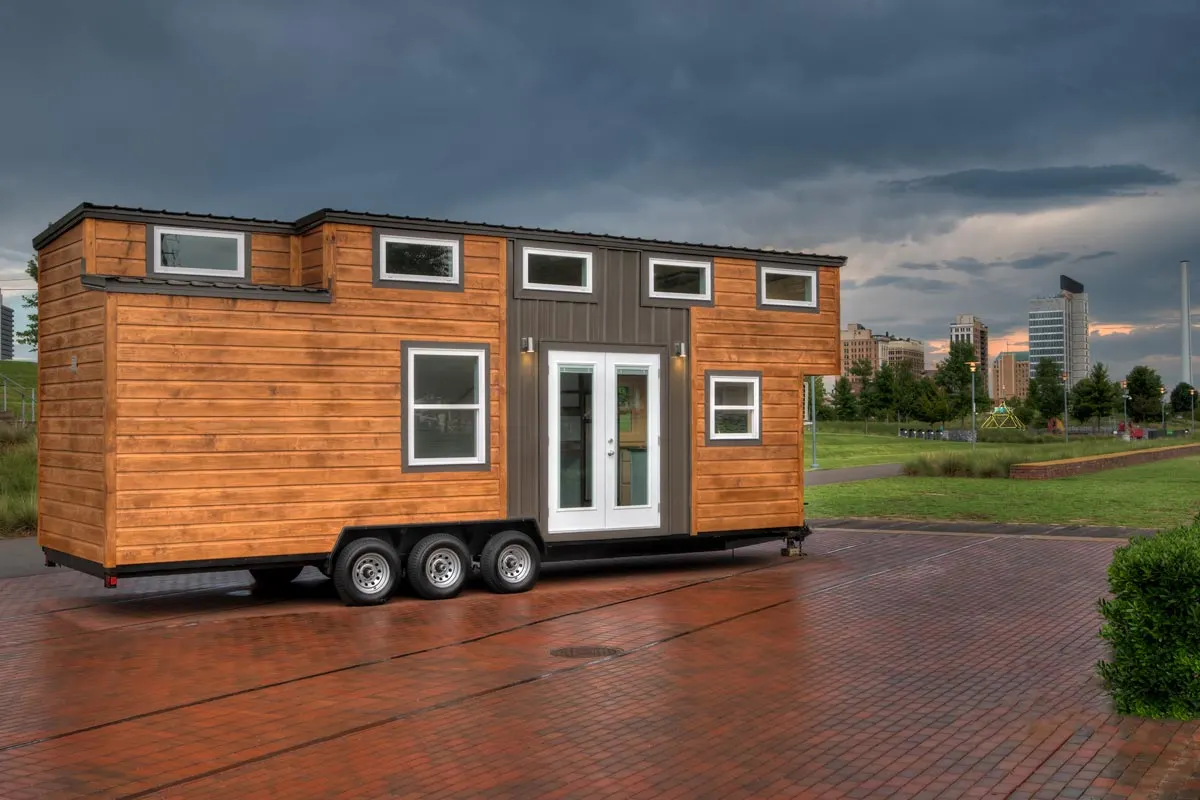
[
  {"x": 1153, "y": 625},
  {"x": 18, "y": 488}
]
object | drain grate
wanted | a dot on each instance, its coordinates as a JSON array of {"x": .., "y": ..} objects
[{"x": 586, "y": 652}]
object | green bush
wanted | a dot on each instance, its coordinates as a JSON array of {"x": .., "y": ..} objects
[
  {"x": 1153, "y": 625},
  {"x": 18, "y": 484}
]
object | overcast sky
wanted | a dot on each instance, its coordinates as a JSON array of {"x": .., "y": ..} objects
[{"x": 961, "y": 153}]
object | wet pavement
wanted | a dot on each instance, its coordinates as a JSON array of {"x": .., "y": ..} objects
[{"x": 885, "y": 664}]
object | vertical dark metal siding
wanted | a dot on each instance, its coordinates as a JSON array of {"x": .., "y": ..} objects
[{"x": 617, "y": 319}]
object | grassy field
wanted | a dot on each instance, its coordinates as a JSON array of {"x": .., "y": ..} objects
[
  {"x": 18, "y": 482},
  {"x": 23, "y": 372},
  {"x": 838, "y": 449},
  {"x": 1148, "y": 496}
]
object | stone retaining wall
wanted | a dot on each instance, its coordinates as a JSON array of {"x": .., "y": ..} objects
[{"x": 1085, "y": 464}]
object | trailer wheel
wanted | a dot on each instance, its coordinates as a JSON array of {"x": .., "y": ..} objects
[
  {"x": 365, "y": 572},
  {"x": 274, "y": 579},
  {"x": 510, "y": 563},
  {"x": 438, "y": 566}
]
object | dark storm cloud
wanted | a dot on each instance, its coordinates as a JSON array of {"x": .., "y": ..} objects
[
  {"x": 542, "y": 113},
  {"x": 1046, "y": 183},
  {"x": 974, "y": 265},
  {"x": 904, "y": 282}
]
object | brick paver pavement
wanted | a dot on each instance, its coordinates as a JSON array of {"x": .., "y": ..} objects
[{"x": 884, "y": 665}]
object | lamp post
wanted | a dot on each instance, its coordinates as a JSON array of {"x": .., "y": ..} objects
[
  {"x": 1162, "y": 401},
  {"x": 1066, "y": 376},
  {"x": 1192, "y": 392},
  {"x": 972, "y": 365},
  {"x": 1125, "y": 402},
  {"x": 812, "y": 393}
]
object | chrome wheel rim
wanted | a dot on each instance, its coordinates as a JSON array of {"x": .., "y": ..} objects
[
  {"x": 443, "y": 567},
  {"x": 514, "y": 563},
  {"x": 371, "y": 573}
]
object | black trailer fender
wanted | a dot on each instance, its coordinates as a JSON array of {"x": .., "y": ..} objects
[{"x": 404, "y": 538}]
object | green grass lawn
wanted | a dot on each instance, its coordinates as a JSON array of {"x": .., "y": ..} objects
[
  {"x": 23, "y": 372},
  {"x": 1158, "y": 495},
  {"x": 841, "y": 448}
]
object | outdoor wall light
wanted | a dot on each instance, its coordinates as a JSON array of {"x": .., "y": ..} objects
[
  {"x": 527, "y": 344},
  {"x": 680, "y": 350}
]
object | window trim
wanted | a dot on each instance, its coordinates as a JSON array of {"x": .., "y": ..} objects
[
  {"x": 379, "y": 277},
  {"x": 589, "y": 270},
  {"x": 154, "y": 253},
  {"x": 765, "y": 268},
  {"x": 711, "y": 378},
  {"x": 655, "y": 297},
  {"x": 482, "y": 459}
]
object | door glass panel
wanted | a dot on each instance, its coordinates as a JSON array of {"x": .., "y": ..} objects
[
  {"x": 633, "y": 477},
  {"x": 576, "y": 475}
]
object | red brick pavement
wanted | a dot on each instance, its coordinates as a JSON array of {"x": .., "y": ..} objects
[{"x": 902, "y": 666}]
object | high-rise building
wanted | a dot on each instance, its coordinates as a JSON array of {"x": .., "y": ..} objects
[
  {"x": 858, "y": 344},
  {"x": 861, "y": 344},
  {"x": 970, "y": 328},
  {"x": 1058, "y": 330},
  {"x": 907, "y": 351},
  {"x": 6, "y": 331},
  {"x": 1010, "y": 376}
]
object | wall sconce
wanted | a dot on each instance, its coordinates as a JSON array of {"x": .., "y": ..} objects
[
  {"x": 680, "y": 350},
  {"x": 527, "y": 344}
]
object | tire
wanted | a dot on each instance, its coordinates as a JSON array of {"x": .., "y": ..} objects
[
  {"x": 510, "y": 563},
  {"x": 366, "y": 571},
  {"x": 274, "y": 579},
  {"x": 438, "y": 566}
]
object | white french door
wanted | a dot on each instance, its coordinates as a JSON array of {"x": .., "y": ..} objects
[{"x": 604, "y": 441}]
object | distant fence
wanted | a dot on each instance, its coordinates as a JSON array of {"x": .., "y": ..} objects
[
  {"x": 17, "y": 399},
  {"x": 945, "y": 436}
]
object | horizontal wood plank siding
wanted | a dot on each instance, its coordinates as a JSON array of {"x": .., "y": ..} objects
[
  {"x": 760, "y": 485},
  {"x": 70, "y": 424},
  {"x": 256, "y": 427},
  {"x": 120, "y": 249},
  {"x": 270, "y": 259}
]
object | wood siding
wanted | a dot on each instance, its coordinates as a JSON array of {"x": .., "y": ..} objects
[
  {"x": 271, "y": 259},
  {"x": 70, "y": 419},
  {"x": 760, "y": 485},
  {"x": 253, "y": 428}
]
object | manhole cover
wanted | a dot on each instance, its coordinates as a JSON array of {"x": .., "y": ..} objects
[{"x": 586, "y": 652}]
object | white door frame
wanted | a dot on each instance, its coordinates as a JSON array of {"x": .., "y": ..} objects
[{"x": 604, "y": 514}]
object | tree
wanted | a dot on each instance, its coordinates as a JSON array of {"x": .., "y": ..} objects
[
  {"x": 29, "y": 336},
  {"x": 1100, "y": 396},
  {"x": 1046, "y": 389},
  {"x": 954, "y": 376},
  {"x": 1142, "y": 384},
  {"x": 884, "y": 390},
  {"x": 845, "y": 404},
  {"x": 1181, "y": 398},
  {"x": 935, "y": 403},
  {"x": 907, "y": 391}
]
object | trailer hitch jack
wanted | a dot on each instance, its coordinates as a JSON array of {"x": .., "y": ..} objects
[{"x": 794, "y": 541}]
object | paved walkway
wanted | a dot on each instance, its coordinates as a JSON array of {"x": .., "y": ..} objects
[
  {"x": 886, "y": 664},
  {"x": 823, "y": 477}
]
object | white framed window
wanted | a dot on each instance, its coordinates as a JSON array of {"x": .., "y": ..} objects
[
  {"x": 419, "y": 259},
  {"x": 734, "y": 407},
  {"x": 676, "y": 279},
  {"x": 446, "y": 405},
  {"x": 787, "y": 286},
  {"x": 193, "y": 251},
  {"x": 549, "y": 270}
]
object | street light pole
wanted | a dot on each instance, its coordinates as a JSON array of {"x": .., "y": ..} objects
[
  {"x": 972, "y": 365},
  {"x": 1192, "y": 392},
  {"x": 812, "y": 393},
  {"x": 1125, "y": 403},
  {"x": 1066, "y": 412},
  {"x": 1162, "y": 401}
]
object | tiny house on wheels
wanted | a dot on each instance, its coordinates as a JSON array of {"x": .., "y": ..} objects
[{"x": 393, "y": 398}]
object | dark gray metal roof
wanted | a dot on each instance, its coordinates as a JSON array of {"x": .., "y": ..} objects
[
  {"x": 143, "y": 215},
  {"x": 203, "y": 288}
]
